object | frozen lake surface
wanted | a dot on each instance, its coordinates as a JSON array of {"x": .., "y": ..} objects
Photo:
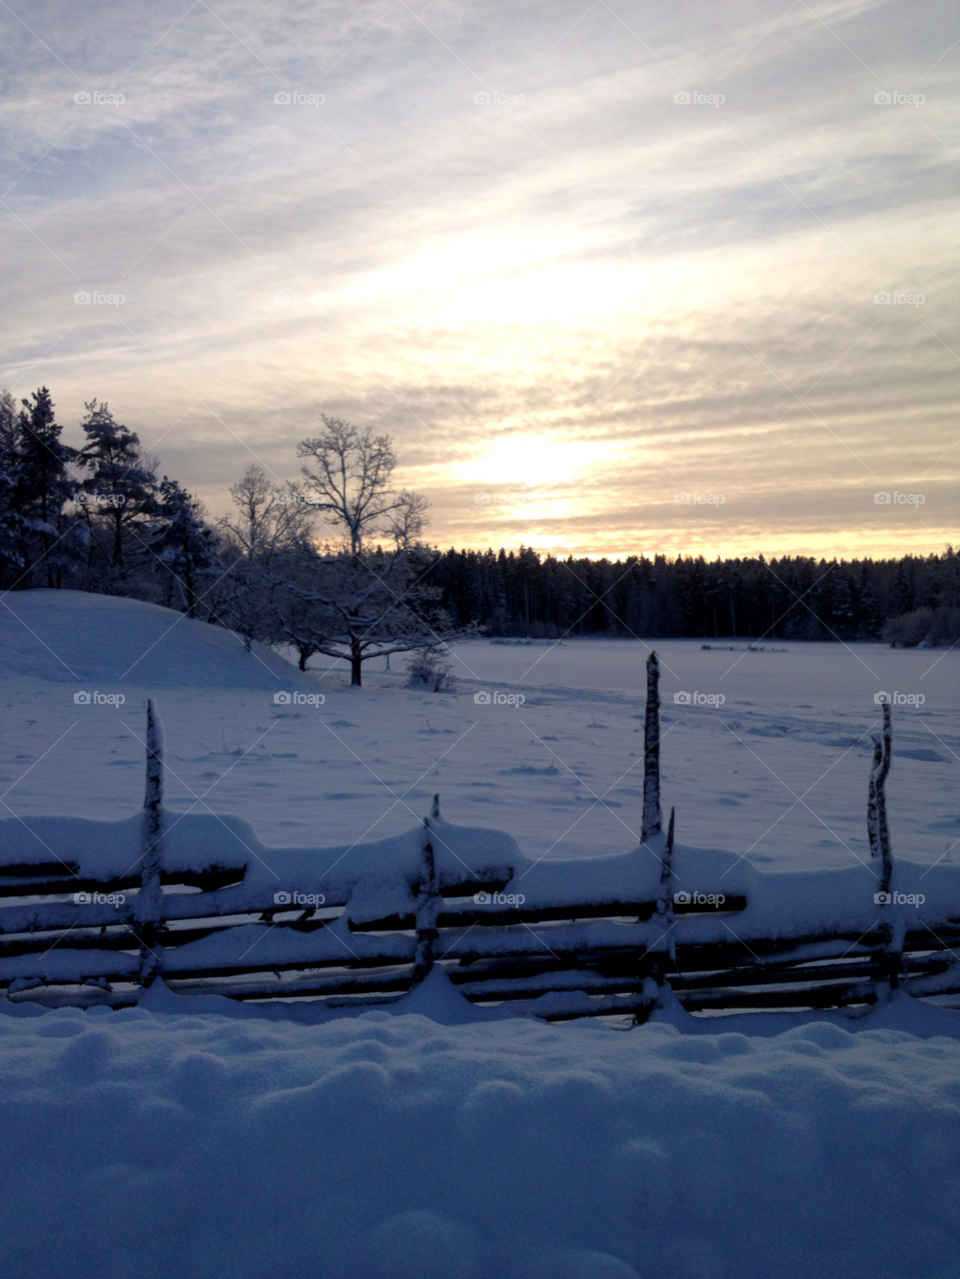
[{"x": 778, "y": 771}]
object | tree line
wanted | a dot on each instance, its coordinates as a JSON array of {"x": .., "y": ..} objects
[
  {"x": 335, "y": 563},
  {"x": 908, "y": 600}
]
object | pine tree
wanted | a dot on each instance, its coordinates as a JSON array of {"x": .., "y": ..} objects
[
  {"x": 11, "y": 523},
  {"x": 42, "y": 485},
  {"x": 904, "y": 593},
  {"x": 183, "y": 543},
  {"x": 121, "y": 487}
]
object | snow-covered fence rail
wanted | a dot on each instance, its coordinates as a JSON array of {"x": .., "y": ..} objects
[{"x": 94, "y": 912}]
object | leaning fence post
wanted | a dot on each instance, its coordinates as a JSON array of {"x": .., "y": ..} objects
[
  {"x": 665, "y": 899},
  {"x": 878, "y": 832},
  {"x": 651, "y": 753},
  {"x": 149, "y": 903},
  {"x": 428, "y": 903}
]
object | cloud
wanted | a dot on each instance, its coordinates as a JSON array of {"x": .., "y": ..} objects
[{"x": 595, "y": 271}]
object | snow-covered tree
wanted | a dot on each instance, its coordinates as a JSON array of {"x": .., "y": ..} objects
[
  {"x": 270, "y": 518},
  {"x": 367, "y": 605},
  {"x": 183, "y": 544},
  {"x": 262, "y": 545},
  {"x": 370, "y": 602},
  {"x": 8, "y": 422}
]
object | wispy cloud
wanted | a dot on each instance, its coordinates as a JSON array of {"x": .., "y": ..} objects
[{"x": 500, "y": 235}]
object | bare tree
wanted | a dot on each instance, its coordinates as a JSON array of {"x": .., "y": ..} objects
[
  {"x": 355, "y": 598},
  {"x": 270, "y": 518},
  {"x": 350, "y": 478},
  {"x": 272, "y": 528}
]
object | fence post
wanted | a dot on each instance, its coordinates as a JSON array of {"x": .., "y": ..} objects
[
  {"x": 651, "y": 753},
  {"x": 428, "y": 903},
  {"x": 665, "y": 952},
  {"x": 878, "y": 832},
  {"x": 149, "y": 903},
  {"x": 665, "y": 899}
]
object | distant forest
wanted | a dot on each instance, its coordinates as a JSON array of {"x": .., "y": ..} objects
[
  {"x": 101, "y": 519},
  {"x": 909, "y": 600}
]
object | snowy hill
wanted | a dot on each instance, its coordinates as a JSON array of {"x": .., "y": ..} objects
[{"x": 107, "y": 642}]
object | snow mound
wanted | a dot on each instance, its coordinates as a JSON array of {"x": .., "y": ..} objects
[{"x": 105, "y": 643}]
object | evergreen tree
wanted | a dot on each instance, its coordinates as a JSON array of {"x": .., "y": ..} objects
[
  {"x": 11, "y": 524},
  {"x": 42, "y": 487},
  {"x": 121, "y": 487},
  {"x": 183, "y": 544}
]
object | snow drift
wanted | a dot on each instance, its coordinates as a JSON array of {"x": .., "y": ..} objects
[{"x": 387, "y": 1146}]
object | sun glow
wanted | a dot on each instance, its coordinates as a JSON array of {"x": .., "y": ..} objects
[{"x": 534, "y": 461}]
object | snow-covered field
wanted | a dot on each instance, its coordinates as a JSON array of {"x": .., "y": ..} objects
[
  {"x": 778, "y": 771},
  {"x": 434, "y": 1140}
]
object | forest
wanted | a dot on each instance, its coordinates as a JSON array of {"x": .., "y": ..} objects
[{"x": 340, "y": 565}]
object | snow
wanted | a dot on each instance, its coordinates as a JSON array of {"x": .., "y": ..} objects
[
  {"x": 402, "y": 1145},
  {"x": 777, "y": 773},
  {"x": 432, "y": 1139}
]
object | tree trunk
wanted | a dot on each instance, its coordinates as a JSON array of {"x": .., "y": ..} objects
[{"x": 356, "y": 661}]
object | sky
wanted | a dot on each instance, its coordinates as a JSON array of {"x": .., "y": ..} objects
[{"x": 609, "y": 274}]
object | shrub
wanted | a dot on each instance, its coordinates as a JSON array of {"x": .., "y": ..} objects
[{"x": 429, "y": 669}]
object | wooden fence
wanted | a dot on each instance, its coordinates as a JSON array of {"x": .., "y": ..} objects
[{"x": 74, "y": 935}]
